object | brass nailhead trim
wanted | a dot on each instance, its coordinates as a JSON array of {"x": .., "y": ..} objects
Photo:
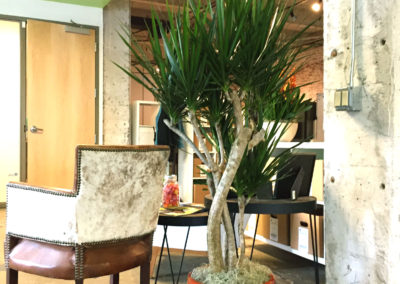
[
  {"x": 123, "y": 150},
  {"x": 86, "y": 245},
  {"x": 79, "y": 257},
  {"x": 7, "y": 251},
  {"x": 41, "y": 240},
  {"x": 38, "y": 189}
]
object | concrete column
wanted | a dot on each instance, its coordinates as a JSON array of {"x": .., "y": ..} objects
[
  {"x": 116, "y": 112},
  {"x": 362, "y": 193}
]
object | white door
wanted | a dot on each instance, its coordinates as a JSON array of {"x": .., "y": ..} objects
[{"x": 10, "y": 99}]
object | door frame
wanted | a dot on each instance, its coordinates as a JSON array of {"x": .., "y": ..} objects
[{"x": 23, "y": 126}]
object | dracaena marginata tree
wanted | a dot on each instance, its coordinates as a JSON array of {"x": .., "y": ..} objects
[{"x": 223, "y": 67}]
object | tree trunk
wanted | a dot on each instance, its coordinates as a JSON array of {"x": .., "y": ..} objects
[
  {"x": 242, "y": 205},
  {"x": 219, "y": 200},
  {"x": 230, "y": 248}
]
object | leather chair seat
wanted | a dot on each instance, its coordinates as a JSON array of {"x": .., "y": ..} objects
[{"x": 57, "y": 261}]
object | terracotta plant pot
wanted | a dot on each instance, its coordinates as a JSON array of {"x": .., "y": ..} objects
[{"x": 192, "y": 281}]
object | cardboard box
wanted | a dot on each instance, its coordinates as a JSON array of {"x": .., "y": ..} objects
[
  {"x": 275, "y": 228},
  {"x": 300, "y": 233},
  {"x": 319, "y": 133},
  {"x": 199, "y": 192},
  {"x": 196, "y": 142},
  {"x": 196, "y": 163}
]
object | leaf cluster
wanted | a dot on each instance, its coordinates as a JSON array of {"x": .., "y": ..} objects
[{"x": 209, "y": 49}]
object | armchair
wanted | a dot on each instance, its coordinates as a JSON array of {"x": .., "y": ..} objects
[{"x": 103, "y": 226}]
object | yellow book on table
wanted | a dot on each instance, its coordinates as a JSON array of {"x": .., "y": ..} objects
[{"x": 180, "y": 210}]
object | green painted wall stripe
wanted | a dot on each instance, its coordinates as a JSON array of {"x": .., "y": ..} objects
[{"x": 90, "y": 3}]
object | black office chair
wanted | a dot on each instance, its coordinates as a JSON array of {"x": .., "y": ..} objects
[{"x": 295, "y": 176}]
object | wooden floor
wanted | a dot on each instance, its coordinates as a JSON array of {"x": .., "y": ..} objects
[{"x": 288, "y": 268}]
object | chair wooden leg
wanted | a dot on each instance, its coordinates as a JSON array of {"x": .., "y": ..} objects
[
  {"x": 114, "y": 279},
  {"x": 12, "y": 276},
  {"x": 145, "y": 273},
  {"x": 154, "y": 260},
  {"x": 78, "y": 281}
]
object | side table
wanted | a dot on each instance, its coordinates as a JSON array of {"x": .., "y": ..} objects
[{"x": 191, "y": 220}]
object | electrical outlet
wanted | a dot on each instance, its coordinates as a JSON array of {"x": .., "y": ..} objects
[{"x": 348, "y": 99}]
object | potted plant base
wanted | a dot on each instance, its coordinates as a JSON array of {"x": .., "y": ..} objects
[
  {"x": 192, "y": 281},
  {"x": 249, "y": 273}
]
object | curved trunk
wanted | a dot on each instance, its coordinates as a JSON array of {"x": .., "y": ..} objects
[
  {"x": 230, "y": 248},
  {"x": 219, "y": 200},
  {"x": 241, "y": 204}
]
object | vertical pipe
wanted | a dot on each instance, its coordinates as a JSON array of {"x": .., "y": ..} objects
[{"x": 353, "y": 27}]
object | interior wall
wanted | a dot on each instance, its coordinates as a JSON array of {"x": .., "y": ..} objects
[
  {"x": 52, "y": 11},
  {"x": 66, "y": 13},
  {"x": 10, "y": 99},
  {"x": 58, "y": 12},
  {"x": 117, "y": 113},
  {"x": 362, "y": 197},
  {"x": 312, "y": 71}
]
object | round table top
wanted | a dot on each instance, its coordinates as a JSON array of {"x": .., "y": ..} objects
[
  {"x": 195, "y": 219},
  {"x": 304, "y": 204}
]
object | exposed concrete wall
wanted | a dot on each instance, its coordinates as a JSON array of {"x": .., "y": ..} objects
[
  {"x": 362, "y": 197},
  {"x": 116, "y": 112}
]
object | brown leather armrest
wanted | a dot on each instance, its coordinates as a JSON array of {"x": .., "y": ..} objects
[{"x": 44, "y": 189}]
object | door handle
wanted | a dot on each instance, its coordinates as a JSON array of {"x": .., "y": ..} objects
[{"x": 35, "y": 129}]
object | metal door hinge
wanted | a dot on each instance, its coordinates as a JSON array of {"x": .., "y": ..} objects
[
  {"x": 95, "y": 93},
  {"x": 23, "y": 24},
  {"x": 95, "y": 47}
]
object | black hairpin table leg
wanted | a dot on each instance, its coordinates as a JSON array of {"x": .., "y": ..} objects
[
  {"x": 233, "y": 217},
  {"x": 314, "y": 243},
  {"x": 183, "y": 254},
  {"x": 161, "y": 253},
  {"x": 169, "y": 255},
  {"x": 254, "y": 237}
]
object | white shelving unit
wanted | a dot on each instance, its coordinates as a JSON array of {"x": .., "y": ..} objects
[
  {"x": 307, "y": 146},
  {"x": 143, "y": 134},
  {"x": 285, "y": 247}
]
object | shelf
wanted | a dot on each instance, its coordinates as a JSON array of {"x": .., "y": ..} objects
[
  {"x": 285, "y": 248},
  {"x": 305, "y": 145},
  {"x": 140, "y": 102}
]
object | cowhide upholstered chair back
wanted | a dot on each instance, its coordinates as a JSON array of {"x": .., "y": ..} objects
[{"x": 114, "y": 203}]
